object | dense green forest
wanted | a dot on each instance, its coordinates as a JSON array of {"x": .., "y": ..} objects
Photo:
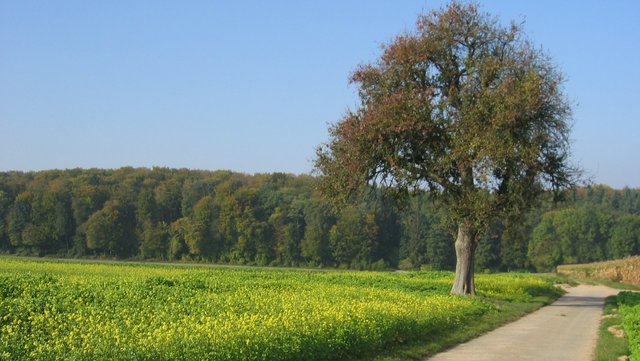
[{"x": 280, "y": 219}]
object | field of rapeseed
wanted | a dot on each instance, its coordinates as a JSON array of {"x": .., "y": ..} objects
[{"x": 92, "y": 311}]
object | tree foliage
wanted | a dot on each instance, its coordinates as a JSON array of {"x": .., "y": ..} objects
[
  {"x": 583, "y": 234},
  {"x": 280, "y": 219},
  {"x": 463, "y": 107}
]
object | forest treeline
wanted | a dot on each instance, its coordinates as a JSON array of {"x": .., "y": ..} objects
[{"x": 280, "y": 219}]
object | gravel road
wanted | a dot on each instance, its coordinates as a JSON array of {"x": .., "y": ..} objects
[{"x": 566, "y": 330}]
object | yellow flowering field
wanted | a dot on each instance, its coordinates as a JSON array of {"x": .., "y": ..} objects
[{"x": 51, "y": 310}]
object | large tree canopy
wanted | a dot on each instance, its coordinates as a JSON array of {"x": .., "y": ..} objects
[{"x": 463, "y": 107}]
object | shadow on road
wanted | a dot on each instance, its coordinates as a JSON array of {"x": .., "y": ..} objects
[{"x": 579, "y": 301}]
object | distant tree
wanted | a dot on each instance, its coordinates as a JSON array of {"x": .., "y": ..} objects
[
  {"x": 580, "y": 235},
  {"x": 5, "y": 204},
  {"x": 227, "y": 227},
  {"x": 314, "y": 246},
  {"x": 200, "y": 235},
  {"x": 87, "y": 198},
  {"x": 353, "y": 237},
  {"x": 415, "y": 228},
  {"x": 625, "y": 237},
  {"x": 153, "y": 239},
  {"x": 463, "y": 107},
  {"x": 57, "y": 205},
  {"x": 488, "y": 252},
  {"x": 426, "y": 240},
  {"x": 36, "y": 236},
  {"x": 19, "y": 218},
  {"x": 294, "y": 231},
  {"x": 630, "y": 202},
  {"x": 146, "y": 208},
  {"x": 389, "y": 230},
  {"x": 514, "y": 243},
  {"x": 255, "y": 244},
  {"x": 544, "y": 248},
  {"x": 287, "y": 226},
  {"x": 192, "y": 192},
  {"x": 168, "y": 197},
  {"x": 177, "y": 246},
  {"x": 440, "y": 247},
  {"x": 110, "y": 229},
  {"x": 281, "y": 219}
]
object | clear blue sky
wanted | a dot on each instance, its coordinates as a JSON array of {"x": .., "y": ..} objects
[{"x": 251, "y": 85}]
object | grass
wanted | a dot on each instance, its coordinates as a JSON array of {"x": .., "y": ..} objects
[
  {"x": 507, "y": 312},
  {"x": 612, "y": 284},
  {"x": 609, "y": 347},
  {"x": 629, "y": 306}
]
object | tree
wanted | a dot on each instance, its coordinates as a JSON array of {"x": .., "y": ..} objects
[
  {"x": 104, "y": 230},
  {"x": 514, "y": 242},
  {"x": 19, "y": 218},
  {"x": 413, "y": 244},
  {"x": 168, "y": 196},
  {"x": 314, "y": 246},
  {"x": 487, "y": 256},
  {"x": 625, "y": 237},
  {"x": 389, "y": 231},
  {"x": 177, "y": 245},
  {"x": 5, "y": 203},
  {"x": 87, "y": 197},
  {"x": 579, "y": 234},
  {"x": 544, "y": 248},
  {"x": 199, "y": 236},
  {"x": 440, "y": 248},
  {"x": 110, "y": 229},
  {"x": 353, "y": 237},
  {"x": 463, "y": 107},
  {"x": 57, "y": 206},
  {"x": 287, "y": 228},
  {"x": 154, "y": 239}
]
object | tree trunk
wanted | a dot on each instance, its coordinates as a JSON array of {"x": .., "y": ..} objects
[{"x": 465, "y": 251}]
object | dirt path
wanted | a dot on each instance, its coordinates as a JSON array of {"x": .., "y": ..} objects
[{"x": 566, "y": 330}]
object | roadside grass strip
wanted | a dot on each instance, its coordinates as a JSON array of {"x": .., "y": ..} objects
[{"x": 629, "y": 304}]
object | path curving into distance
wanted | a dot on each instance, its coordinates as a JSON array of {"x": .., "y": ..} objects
[{"x": 566, "y": 330}]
